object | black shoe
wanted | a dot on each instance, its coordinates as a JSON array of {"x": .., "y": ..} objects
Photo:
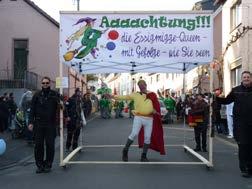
[
  {"x": 245, "y": 174},
  {"x": 204, "y": 150},
  {"x": 47, "y": 169},
  {"x": 68, "y": 150},
  {"x": 125, "y": 155},
  {"x": 74, "y": 146},
  {"x": 197, "y": 149},
  {"x": 40, "y": 170},
  {"x": 144, "y": 158}
]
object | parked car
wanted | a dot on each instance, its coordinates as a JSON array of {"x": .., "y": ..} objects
[{"x": 163, "y": 111}]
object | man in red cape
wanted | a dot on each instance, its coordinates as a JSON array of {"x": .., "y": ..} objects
[
  {"x": 157, "y": 139},
  {"x": 146, "y": 117}
]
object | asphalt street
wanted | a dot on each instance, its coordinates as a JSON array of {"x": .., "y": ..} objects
[{"x": 103, "y": 141}]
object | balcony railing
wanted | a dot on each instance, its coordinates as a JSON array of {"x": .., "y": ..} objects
[{"x": 31, "y": 81}]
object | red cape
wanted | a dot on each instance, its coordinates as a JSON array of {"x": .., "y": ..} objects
[{"x": 157, "y": 136}]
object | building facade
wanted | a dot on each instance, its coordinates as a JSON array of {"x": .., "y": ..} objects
[
  {"x": 29, "y": 46},
  {"x": 237, "y": 40}
]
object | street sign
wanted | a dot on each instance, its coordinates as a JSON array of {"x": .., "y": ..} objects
[{"x": 62, "y": 82}]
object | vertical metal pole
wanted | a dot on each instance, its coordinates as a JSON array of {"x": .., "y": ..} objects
[
  {"x": 210, "y": 118},
  {"x": 78, "y": 5},
  {"x": 183, "y": 92},
  {"x": 184, "y": 72},
  {"x": 61, "y": 117}
]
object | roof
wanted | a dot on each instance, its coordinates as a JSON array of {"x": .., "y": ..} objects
[
  {"x": 33, "y": 5},
  {"x": 220, "y": 2}
]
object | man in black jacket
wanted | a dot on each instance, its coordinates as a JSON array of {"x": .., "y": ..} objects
[
  {"x": 75, "y": 119},
  {"x": 42, "y": 120},
  {"x": 87, "y": 104},
  {"x": 242, "y": 120}
]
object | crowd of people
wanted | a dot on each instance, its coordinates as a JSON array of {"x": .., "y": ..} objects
[{"x": 41, "y": 110}]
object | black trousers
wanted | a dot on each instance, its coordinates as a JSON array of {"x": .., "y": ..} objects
[
  {"x": 44, "y": 135},
  {"x": 73, "y": 133},
  {"x": 245, "y": 157},
  {"x": 200, "y": 133}
]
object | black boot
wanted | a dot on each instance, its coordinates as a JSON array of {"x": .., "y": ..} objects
[
  {"x": 145, "y": 150},
  {"x": 126, "y": 149},
  {"x": 125, "y": 155},
  {"x": 197, "y": 149},
  {"x": 144, "y": 158}
]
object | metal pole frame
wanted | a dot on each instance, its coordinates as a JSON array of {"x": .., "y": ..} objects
[{"x": 204, "y": 161}]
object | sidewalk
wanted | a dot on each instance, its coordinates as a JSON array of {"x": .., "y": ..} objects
[{"x": 16, "y": 151}]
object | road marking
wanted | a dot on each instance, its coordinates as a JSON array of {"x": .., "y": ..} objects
[{"x": 227, "y": 142}]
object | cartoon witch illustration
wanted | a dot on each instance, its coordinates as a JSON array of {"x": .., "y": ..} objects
[{"x": 88, "y": 41}]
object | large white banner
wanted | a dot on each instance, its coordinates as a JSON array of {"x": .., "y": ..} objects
[{"x": 135, "y": 42}]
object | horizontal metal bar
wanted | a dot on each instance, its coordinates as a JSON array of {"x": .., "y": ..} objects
[{"x": 135, "y": 162}]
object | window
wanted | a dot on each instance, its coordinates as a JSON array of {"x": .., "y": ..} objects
[
  {"x": 20, "y": 58},
  {"x": 235, "y": 15},
  {"x": 236, "y": 76}
]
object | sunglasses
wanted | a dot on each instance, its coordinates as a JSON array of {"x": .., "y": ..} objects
[{"x": 45, "y": 83}]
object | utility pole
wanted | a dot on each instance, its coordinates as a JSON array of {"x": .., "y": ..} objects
[
  {"x": 80, "y": 75},
  {"x": 78, "y": 5}
]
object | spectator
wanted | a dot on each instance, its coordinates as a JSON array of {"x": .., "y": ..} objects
[
  {"x": 75, "y": 118},
  {"x": 87, "y": 104},
  {"x": 25, "y": 107},
  {"x": 12, "y": 107},
  {"x": 241, "y": 95},
  {"x": 4, "y": 113},
  {"x": 229, "y": 111},
  {"x": 199, "y": 109},
  {"x": 42, "y": 119},
  {"x": 170, "y": 103},
  {"x": 131, "y": 107},
  {"x": 179, "y": 108}
]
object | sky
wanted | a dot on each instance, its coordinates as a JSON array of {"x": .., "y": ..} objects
[{"x": 52, "y": 7}]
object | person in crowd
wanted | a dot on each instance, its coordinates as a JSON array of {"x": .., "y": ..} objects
[
  {"x": 75, "y": 118},
  {"x": 25, "y": 107},
  {"x": 4, "y": 113},
  {"x": 216, "y": 116},
  {"x": 87, "y": 104},
  {"x": 241, "y": 96},
  {"x": 146, "y": 115},
  {"x": 12, "y": 107},
  {"x": 170, "y": 103},
  {"x": 105, "y": 107},
  {"x": 116, "y": 109},
  {"x": 199, "y": 110},
  {"x": 131, "y": 107},
  {"x": 121, "y": 108},
  {"x": 42, "y": 119},
  {"x": 5, "y": 97},
  {"x": 229, "y": 112},
  {"x": 179, "y": 108}
]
